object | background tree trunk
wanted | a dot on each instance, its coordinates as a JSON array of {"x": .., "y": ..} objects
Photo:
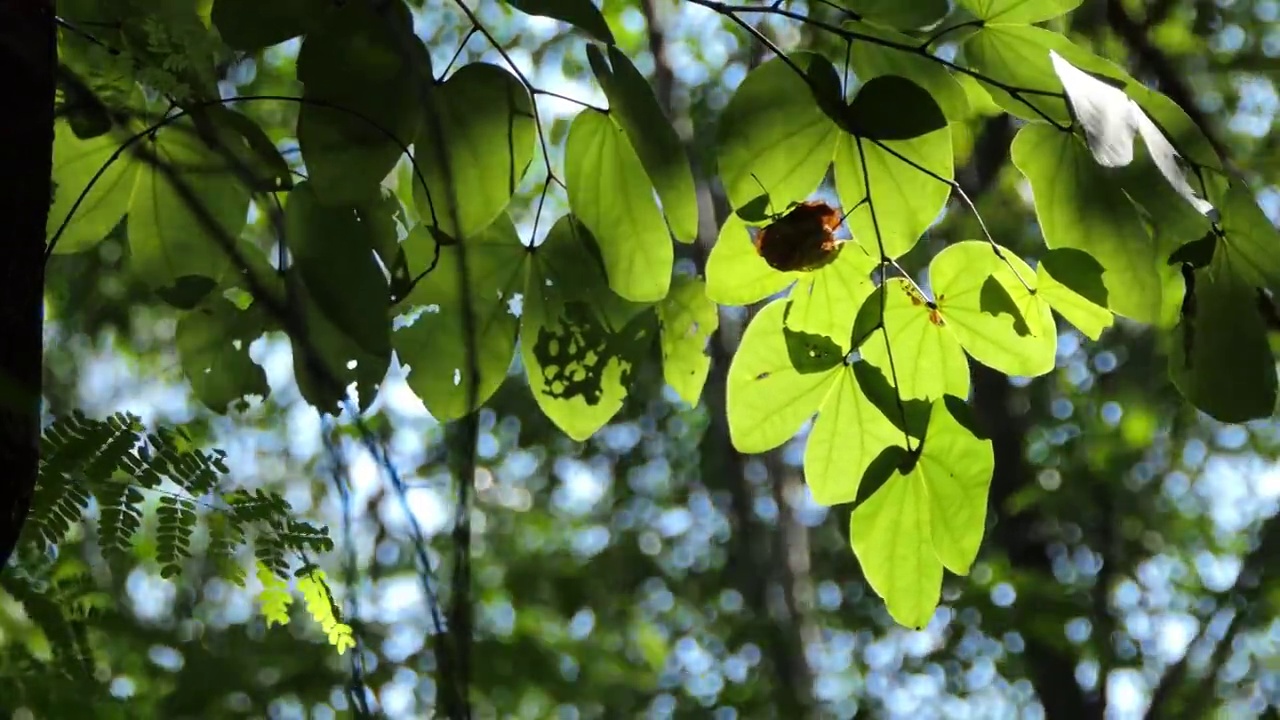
[{"x": 28, "y": 51}]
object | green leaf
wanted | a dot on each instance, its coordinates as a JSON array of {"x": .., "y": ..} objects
[
  {"x": 894, "y": 201},
  {"x": 252, "y": 25},
  {"x": 176, "y": 246},
  {"x": 213, "y": 346},
  {"x": 996, "y": 318},
  {"x": 435, "y": 344},
  {"x": 1019, "y": 11},
  {"x": 633, "y": 105},
  {"x": 1221, "y": 360},
  {"x": 610, "y": 194},
  {"x": 895, "y": 13},
  {"x": 767, "y": 399},
  {"x": 582, "y": 14},
  {"x": 333, "y": 254},
  {"x": 362, "y": 76},
  {"x": 890, "y": 535},
  {"x": 736, "y": 274},
  {"x": 955, "y": 468},
  {"x": 848, "y": 435},
  {"x": 579, "y": 341},
  {"x": 826, "y": 301},
  {"x": 915, "y": 351},
  {"x": 326, "y": 361},
  {"x": 474, "y": 149},
  {"x": 1017, "y": 56},
  {"x": 774, "y": 138},
  {"x": 1070, "y": 281},
  {"x": 687, "y": 318},
  {"x": 383, "y": 215},
  {"x": 75, "y": 163},
  {"x": 259, "y": 156},
  {"x": 1081, "y": 206},
  {"x": 870, "y": 60},
  {"x": 891, "y": 107},
  {"x": 1254, "y": 243}
]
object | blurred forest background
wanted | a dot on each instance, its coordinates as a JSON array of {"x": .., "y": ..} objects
[{"x": 1132, "y": 568}]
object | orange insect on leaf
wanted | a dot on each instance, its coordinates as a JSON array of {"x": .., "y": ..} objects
[{"x": 801, "y": 240}]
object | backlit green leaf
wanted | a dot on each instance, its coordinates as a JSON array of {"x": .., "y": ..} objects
[
  {"x": 914, "y": 348},
  {"x": 995, "y": 316},
  {"x": 1019, "y": 11},
  {"x": 633, "y": 105},
  {"x": 1070, "y": 281},
  {"x": 890, "y": 534},
  {"x": 176, "y": 245},
  {"x": 894, "y": 201},
  {"x": 435, "y": 344},
  {"x": 75, "y": 163},
  {"x": 474, "y": 149},
  {"x": 848, "y": 434},
  {"x": 955, "y": 468},
  {"x": 1080, "y": 206},
  {"x": 767, "y": 399},
  {"x": 736, "y": 274},
  {"x": 826, "y": 301},
  {"x": 774, "y": 139},
  {"x": 611, "y": 194},
  {"x": 687, "y": 318},
  {"x": 327, "y": 361}
]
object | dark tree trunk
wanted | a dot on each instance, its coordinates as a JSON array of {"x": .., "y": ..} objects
[{"x": 28, "y": 52}]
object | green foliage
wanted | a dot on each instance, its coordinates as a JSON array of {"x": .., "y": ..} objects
[
  {"x": 1153, "y": 232},
  {"x": 119, "y": 469}
]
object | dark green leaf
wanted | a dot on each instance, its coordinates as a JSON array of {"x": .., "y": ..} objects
[
  {"x": 253, "y": 25},
  {"x": 891, "y": 107},
  {"x": 582, "y": 14},
  {"x": 213, "y": 345}
]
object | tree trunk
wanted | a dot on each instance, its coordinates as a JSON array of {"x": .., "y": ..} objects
[{"x": 28, "y": 51}]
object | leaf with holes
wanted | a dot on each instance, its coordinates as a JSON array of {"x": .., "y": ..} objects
[
  {"x": 912, "y": 347},
  {"x": 333, "y": 254},
  {"x": 435, "y": 343},
  {"x": 634, "y": 106},
  {"x": 361, "y": 75},
  {"x": 327, "y": 361},
  {"x": 775, "y": 139},
  {"x": 894, "y": 201},
  {"x": 75, "y": 163},
  {"x": 687, "y": 318},
  {"x": 213, "y": 346},
  {"x": 187, "y": 211},
  {"x": 989, "y": 304},
  {"x": 579, "y": 341},
  {"x": 473, "y": 150},
  {"x": 610, "y": 194}
]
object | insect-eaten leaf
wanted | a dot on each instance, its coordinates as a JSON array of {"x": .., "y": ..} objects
[{"x": 213, "y": 344}]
